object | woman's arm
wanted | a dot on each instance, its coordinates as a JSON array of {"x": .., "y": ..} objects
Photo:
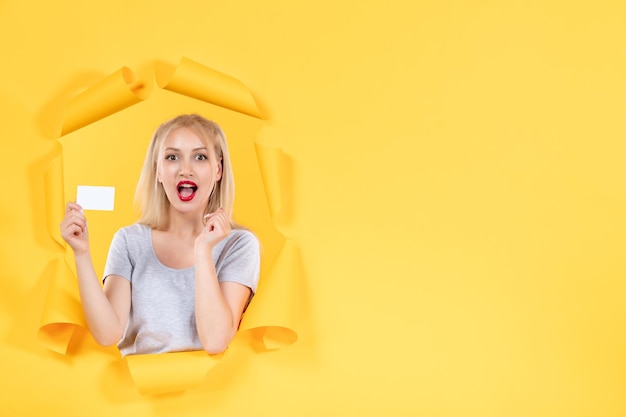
[
  {"x": 219, "y": 306},
  {"x": 106, "y": 310}
]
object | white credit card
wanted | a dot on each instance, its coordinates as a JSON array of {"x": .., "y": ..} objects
[{"x": 91, "y": 197}]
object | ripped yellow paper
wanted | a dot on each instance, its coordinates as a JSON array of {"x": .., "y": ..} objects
[
  {"x": 62, "y": 311},
  {"x": 281, "y": 308},
  {"x": 113, "y": 94},
  {"x": 88, "y": 137},
  {"x": 54, "y": 192},
  {"x": 184, "y": 370},
  {"x": 203, "y": 83}
]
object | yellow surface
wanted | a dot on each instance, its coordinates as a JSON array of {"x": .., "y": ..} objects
[{"x": 456, "y": 196}]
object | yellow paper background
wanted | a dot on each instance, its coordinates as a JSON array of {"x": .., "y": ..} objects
[{"x": 456, "y": 194}]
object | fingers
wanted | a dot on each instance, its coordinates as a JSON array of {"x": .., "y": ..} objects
[
  {"x": 74, "y": 223},
  {"x": 73, "y": 230},
  {"x": 71, "y": 206},
  {"x": 217, "y": 221},
  {"x": 217, "y": 214}
]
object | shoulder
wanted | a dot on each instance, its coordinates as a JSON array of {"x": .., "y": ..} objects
[
  {"x": 242, "y": 237},
  {"x": 238, "y": 241},
  {"x": 132, "y": 235},
  {"x": 133, "y": 231},
  {"x": 242, "y": 234},
  {"x": 238, "y": 258}
]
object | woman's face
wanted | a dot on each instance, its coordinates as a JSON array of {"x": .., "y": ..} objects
[{"x": 188, "y": 170}]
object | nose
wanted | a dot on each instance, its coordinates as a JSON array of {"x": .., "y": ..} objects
[{"x": 186, "y": 168}]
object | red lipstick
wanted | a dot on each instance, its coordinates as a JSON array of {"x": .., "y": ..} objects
[{"x": 186, "y": 190}]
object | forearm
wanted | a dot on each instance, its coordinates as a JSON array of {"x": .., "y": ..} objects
[
  {"x": 214, "y": 319},
  {"x": 102, "y": 321}
]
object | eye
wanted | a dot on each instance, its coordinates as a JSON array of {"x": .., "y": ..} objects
[
  {"x": 201, "y": 157},
  {"x": 171, "y": 157}
]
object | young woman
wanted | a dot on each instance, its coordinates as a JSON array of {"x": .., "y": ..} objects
[{"x": 181, "y": 277}]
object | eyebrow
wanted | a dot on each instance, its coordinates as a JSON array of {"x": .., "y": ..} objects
[{"x": 204, "y": 148}]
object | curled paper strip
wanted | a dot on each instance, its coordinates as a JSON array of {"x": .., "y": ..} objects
[
  {"x": 271, "y": 314},
  {"x": 115, "y": 93},
  {"x": 272, "y": 163},
  {"x": 170, "y": 372},
  {"x": 275, "y": 311},
  {"x": 195, "y": 80},
  {"x": 53, "y": 186},
  {"x": 62, "y": 311}
]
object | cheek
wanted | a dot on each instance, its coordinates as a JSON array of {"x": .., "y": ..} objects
[{"x": 163, "y": 172}]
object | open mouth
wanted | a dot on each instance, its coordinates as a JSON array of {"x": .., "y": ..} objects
[{"x": 186, "y": 190}]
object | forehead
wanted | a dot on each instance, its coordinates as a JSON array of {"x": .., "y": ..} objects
[{"x": 184, "y": 137}]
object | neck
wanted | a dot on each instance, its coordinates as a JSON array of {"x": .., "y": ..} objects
[{"x": 189, "y": 224}]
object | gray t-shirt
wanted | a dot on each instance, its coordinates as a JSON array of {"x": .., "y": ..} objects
[{"x": 162, "y": 312}]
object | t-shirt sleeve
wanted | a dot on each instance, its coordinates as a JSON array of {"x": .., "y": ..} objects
[
  {"x": 118, "y": 261},
  {"x": 240, "y": 261}
]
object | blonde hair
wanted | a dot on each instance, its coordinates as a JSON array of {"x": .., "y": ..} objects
[{"x": 150, "y": 197}]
